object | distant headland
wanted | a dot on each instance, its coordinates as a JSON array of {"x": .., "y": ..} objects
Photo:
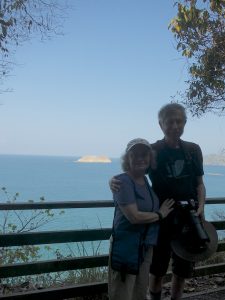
[
  {"x": 94, "y": 159},
  {"x": 215, "y": 159}
]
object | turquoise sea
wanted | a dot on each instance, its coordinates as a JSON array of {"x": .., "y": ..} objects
[{"x": 62, "y": 179}]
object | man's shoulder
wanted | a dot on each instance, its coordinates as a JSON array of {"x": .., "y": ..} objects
[
  {"x": 160, "y": 144},
  {"x": 190, "y": 146}
]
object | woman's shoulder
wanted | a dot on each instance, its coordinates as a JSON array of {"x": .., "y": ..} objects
[
  {"x": 126, "y": 181},
  {"x": 124, "y": 177}
]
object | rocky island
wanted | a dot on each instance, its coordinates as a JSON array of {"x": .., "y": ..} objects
[{"x": 94, "y": 159}]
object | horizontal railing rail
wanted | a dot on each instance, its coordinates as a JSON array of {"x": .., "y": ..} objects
[
  {"x": 68, "y": 236},
  {"x": 76, "y": 204},
  {"x": 53, "y": 237},
  {"x": 54, "y": 265},
  {"x": 64, "y": 236},
  {"x": 57, "y": 205}
]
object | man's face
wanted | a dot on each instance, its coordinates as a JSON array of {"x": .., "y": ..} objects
[{"x": 173, "y": 125}]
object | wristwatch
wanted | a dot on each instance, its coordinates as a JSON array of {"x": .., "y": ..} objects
[{"x": 160, "y": 215}]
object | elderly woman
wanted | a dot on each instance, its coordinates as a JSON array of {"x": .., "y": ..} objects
[{"x": 135, "y": 225}]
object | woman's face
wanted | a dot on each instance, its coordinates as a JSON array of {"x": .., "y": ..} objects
[{"x": 139, "y": 158}]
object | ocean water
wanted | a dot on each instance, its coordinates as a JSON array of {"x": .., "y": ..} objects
[{"x": 62, "y": 179}]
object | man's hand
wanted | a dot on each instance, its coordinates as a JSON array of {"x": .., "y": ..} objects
[
  {"x": 200, "y": 212},
  {"x": 114, "y": 184}
]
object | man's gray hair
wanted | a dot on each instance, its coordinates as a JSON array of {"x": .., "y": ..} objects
[{"x": 171, "y": 108}]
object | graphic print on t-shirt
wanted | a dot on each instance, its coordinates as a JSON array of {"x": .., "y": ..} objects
[{"x": 175, "y": 169}]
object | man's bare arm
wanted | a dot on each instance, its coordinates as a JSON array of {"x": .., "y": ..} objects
[{"x": 201, "y": 193}]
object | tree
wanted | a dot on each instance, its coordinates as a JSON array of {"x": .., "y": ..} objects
[
  {"x": 21, "y": 19},
  {"x": 13, "y": 221},
  {"x": 199, "y": 29}
]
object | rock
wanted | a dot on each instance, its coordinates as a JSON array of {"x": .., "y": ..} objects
[
  {"x": 94, "y": 159},
  {"x": 219, "y": 281},
  {"x": 189, "y": 289}
]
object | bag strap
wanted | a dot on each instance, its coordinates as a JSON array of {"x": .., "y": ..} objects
[
  {"x": 123, "y": 273},
  {"x": 160, "y": 145},
  {"x": 136, "y": 194}
]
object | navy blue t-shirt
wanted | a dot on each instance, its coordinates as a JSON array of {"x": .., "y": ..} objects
[{"x": 177, "y": 170}]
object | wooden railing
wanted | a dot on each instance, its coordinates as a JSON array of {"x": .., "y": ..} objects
[{"x": 67, "y": 236}]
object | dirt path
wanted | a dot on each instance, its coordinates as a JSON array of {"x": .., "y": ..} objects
[{"x": 199, "y": 285}]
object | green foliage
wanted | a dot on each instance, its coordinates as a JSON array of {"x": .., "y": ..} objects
[
  {"x": 13, "y": 221},
  {"x": 25, "y": 221},
  {"x": 87, "y": 275},
  {"x": 21, "y": 19},
  {"x": 199, "y": 29}
]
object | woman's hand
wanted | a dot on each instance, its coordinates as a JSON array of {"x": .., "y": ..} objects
[
  {"x": 114, "y": 184},
  {"x": 166, "y": 207}
]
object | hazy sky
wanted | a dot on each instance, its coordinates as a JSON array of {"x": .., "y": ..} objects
[{"x": 101, "y": 84}]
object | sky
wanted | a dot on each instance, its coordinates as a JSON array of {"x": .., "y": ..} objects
[{"x": 101, "y": 84}]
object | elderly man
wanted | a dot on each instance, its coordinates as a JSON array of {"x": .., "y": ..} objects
[{"x": 178, "y": 175}]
